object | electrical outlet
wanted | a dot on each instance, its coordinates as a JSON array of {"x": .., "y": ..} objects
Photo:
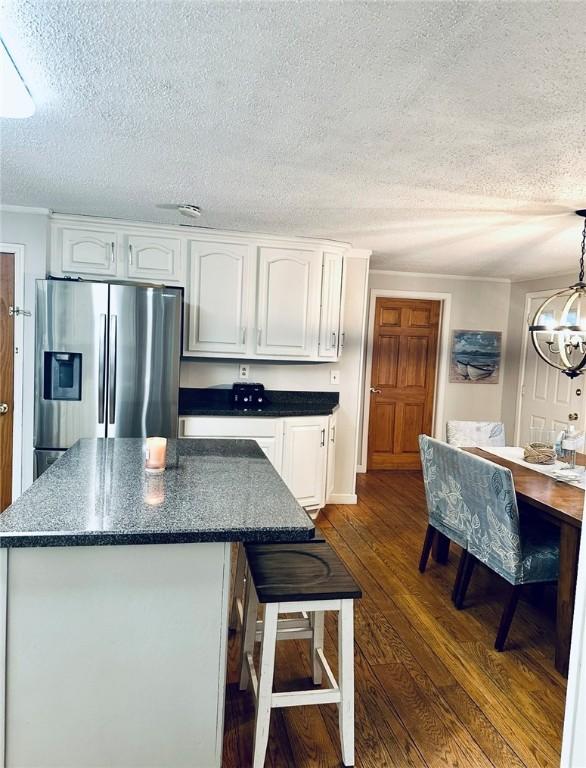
[
  {"x": 334, "y": 376},
  {"x": 244, "y": 371}
]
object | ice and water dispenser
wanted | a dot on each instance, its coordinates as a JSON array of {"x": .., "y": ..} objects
[{"x": 62, "y": 379}]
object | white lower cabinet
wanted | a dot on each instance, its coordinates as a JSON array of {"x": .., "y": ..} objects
[
  {"x": 301, "y": 449},
  {"x": 305, "y": 451},
  {"x": 331, "y": 470}
]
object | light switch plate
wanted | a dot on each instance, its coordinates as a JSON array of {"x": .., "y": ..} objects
[
  {"x": 334, "y": 376},
  {"x": 244, "y": 371}
]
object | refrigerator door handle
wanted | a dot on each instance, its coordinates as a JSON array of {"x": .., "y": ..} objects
[
  {"x": 112, "y": 370},
  {"x": 102, "y": 370}
]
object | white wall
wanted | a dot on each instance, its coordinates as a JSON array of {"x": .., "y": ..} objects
[
  {"x": 31, "y": 231},
  {"x": 476, "y": 305},
  {"x": 313, "y": 376}
]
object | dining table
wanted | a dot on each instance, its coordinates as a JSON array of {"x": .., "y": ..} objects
[{"x": 541, "y": 494}]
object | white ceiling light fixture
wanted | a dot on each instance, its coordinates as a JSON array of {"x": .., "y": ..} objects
[
  {"x": 558, "y": 330},
  {"x": 194, "y": 211},
  {"x": 15, "y": 98}
]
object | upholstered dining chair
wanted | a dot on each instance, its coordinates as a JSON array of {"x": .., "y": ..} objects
[
  {"x": 475, "y": 434},
  {"x": 448, "y": 513},
  {"x": 499, "y": 538}
]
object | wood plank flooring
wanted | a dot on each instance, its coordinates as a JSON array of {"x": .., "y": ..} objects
[{"x": 430, "y": 688}]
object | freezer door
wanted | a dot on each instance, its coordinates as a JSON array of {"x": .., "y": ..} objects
[
  {"x": 144, "y": 330},
  {"x": 70, "y": 370}
]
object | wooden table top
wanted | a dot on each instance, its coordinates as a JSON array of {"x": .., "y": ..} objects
[{"x": 558, "y": 499}]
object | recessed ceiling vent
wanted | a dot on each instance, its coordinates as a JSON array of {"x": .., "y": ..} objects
[{"x": 190, "y": 210}]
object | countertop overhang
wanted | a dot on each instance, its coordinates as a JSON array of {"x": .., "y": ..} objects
[{"x": 98, "y": 493}]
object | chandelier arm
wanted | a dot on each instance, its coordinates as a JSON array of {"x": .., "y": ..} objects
[
  {"x": 564, "y": 357},
  {"x": 542, "y": 356}
]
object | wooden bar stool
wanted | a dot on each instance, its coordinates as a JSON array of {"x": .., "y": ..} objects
[
  {"x": 239, "y": 583},
  {"x": 306, "y": 578}
]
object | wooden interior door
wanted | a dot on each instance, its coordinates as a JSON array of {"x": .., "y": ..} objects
[
  {"x": 6, "y": 377},
  {"x": 402, "y": 381}
]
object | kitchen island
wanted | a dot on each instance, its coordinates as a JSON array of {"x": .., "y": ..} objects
[{"x": 114, "y": 592}]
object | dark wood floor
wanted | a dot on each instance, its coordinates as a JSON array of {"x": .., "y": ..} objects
[{"x": 430, "y": 689}]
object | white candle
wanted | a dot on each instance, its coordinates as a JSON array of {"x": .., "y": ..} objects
[{"x": 156, "y": 454}]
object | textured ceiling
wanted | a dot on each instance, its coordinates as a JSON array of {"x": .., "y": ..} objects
[{"x": 447, "y": 137}]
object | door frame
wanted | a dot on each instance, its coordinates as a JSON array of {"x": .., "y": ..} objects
[
  {"x": 18, "y": 251},
  {"x": 442, "y": 360},
  {"x": 523, "y": 354}
]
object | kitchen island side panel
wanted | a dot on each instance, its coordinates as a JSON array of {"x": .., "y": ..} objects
[{"x": 116, "y": 656}]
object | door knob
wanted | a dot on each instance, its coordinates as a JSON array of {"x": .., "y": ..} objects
[
  {"x": 3, "y": 408},
  {"x": 573, "y": 416},
  {"x": 377, "y": 391}
]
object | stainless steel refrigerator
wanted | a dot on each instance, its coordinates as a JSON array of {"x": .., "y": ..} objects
[{"x": 106, "y": 363}]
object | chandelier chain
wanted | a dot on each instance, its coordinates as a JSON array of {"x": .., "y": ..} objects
[{"x": 583, "y": 252}]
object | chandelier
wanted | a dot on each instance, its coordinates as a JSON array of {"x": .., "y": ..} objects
[{"x": 558, "y": 329}]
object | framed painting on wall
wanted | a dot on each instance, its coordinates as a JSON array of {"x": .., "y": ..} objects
[{"x": 475, "y": 357}]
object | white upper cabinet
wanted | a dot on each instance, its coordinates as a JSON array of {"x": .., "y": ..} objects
[
  {"x": 88, "y": 251},
  {"x": 288, "y": 301},
  {"x": 217, "y": 297},
  {"x": 247, "y": 296},
  {"x": 154, "y": 259},
  {"x": 331, "y": 298}
]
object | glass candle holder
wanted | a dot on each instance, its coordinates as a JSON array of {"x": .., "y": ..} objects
[{"x": 156, "y": 455}]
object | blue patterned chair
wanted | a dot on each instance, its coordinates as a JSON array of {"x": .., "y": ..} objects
[
  {"x": 449, "y": 515},
  {"x": 475, "y": 434},
  {"x": 519, "y": 552}
]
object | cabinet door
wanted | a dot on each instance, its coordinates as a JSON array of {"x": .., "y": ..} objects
[
  {"x": 154, "y": 258},
  {"x": 331, "y": 297},
  {"x": 304, "y": 459},
  {"x": 88, "y": 251},
  {"x": 288, "y": 301},
  {"x": 218, "y": 297},
  {"x": 270, "y": 446},
  {"x": 331, "y": 457}
]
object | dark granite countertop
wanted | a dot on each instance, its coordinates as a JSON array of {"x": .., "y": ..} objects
[
  {"x": 218, "y": 402},
  {"x": 98, "y": 493}
]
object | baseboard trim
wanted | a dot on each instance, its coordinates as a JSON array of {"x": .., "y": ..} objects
[
  {"x": 360, "y": 469},
  {"x": 343, "y": 498}
]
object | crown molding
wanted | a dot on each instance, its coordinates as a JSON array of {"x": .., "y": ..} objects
[
  {"x": 24, "y": 209},
  {"x": 440, "y": 276}
]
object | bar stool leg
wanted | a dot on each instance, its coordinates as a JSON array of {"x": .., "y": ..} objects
[
  {"x": 238, "y": 586},
  {"x": 317, "y": 641},
  {"x": 346, "y": 679},
  {"x": 265, "y": 683},
  {"x": 248, "y": 635}
]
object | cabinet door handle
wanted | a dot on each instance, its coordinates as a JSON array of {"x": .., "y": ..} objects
[
  {"x": 243, "y": 336},
  {"x": 112, "y": 251},
  {"x": 323, "y": 437},
  {"x": 333, "y": 438},
  {"x": 259, "y": 337},
  {"x": 129, "y": 254},
  {"x": 334, "y": 339},
  {"x": 342, "y": 339}
]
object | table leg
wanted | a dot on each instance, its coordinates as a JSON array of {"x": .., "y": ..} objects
[
  {"x": 441, "y": 548},
  {"x": 569, "y": 549}
]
